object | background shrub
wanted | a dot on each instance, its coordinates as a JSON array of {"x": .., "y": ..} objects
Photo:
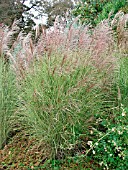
[{"x": 94, "y": 11}]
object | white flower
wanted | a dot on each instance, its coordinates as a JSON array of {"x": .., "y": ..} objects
[
  {"x": 96, "y": 143},
  {"x": 105, "y": 149},
  {"x": 113, "y": 129},
  {"x": 121, "y": 105},
  {"x": 123, "y": 113},
  {"x": 101, "y": 163},
  {"x": 120, "y": 133},
  {"x": 118, "y": 148},
  {"x": 119, "y": 155},
  {"x": 91, "y": 132},
  {"x": 98, "y": 120},
  {"x": 93, "y": 152},
  {"x": 89, "y": 143},
  {"x": 114, "y": 143}
]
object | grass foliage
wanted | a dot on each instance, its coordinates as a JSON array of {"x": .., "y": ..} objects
[{"x": 8, "y": 101}]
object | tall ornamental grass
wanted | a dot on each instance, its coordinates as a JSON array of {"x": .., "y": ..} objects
[
  {"x": 65, "y": 79},
  {"x": 8, "y": 101}
]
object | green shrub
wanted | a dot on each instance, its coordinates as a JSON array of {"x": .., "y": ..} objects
[
  {"x": 113, "y": 6},
  {"x": 110, "y": 151},
  {"x": 110, "y": 147},
  {"x": 94, "y": 11}
]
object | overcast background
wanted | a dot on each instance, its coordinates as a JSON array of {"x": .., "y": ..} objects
[{"x": 42, "y": 19}]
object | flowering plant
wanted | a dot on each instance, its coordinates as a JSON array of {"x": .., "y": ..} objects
[{"x": 110, "y": 150}]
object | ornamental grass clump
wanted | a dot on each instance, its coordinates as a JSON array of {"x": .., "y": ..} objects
[{"x": 62, "y": 93}]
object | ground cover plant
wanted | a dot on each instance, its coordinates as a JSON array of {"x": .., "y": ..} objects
[{"x": 65, "y": 102}]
